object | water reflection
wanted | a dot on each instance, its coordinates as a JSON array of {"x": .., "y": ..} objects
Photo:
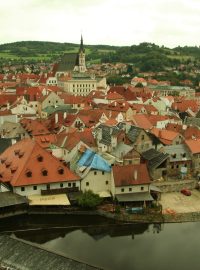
[{"x": 115, "y": 246}]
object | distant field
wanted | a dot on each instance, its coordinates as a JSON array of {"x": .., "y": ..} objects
[{"x": 181, "y": 57}]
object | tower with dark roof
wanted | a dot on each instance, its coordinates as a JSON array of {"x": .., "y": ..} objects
[{"x": 81, "y": 66}]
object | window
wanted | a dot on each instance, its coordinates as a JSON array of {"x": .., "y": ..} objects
[
  {"x": 28, "y": 173},
  {"x": 34, "y": 187},
  {"x": 69, "y": 184},
  {"x": 44, "y": 172},
  {"x": 74, "y": 184},
  {"x": 60, "y": 170},
  {"x": 106, "y": 182},
  {"x": 172, "y": 167},
  {"x": 130, "y": 189},
  {"x": 87, "y": 183},
  {"x": 102, "y": 173},
  {"x": 142, "y": 137},
  {"x": 174, "y": 155},
  {"x": 184, "y": 155},
  {"x": 22, "y": 188},
  {"x": 48, "y": 186},
  {"x": 177, "y": 166},
  {"x": 95, "y": 173},
  {"x": 40, "y": 158},
  {"x": 61, "y": 185},
  {"x": 122, "y": 189},
  {"x": 142, "y": 188}
]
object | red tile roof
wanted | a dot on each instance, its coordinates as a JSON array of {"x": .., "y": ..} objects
[
  {"x": 193, "y": 145},
  {"x": 114, "y": 96},
  {"x": 34, "y": 127},
  {"x": 165, "y": 136},
  {"x": 186, "y": 104},
  {"x": 141, "y": 120},
  {"x": 28, "y": 164},
  {"x": 128, "y": 175}
]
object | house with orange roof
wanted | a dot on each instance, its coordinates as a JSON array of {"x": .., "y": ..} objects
[
  {"x": 52, "y": 99},
  {"x": 21, "y": 107},
  {"x": 29, "y": 170},
  {"x": 194, "y": 148},
  {"x": 34, "y": 127},
  {"x": 68, "y": 145},
  {"x": 131, "y": 183},
  {"x": 141, "y": 121},
  {"x": 184, "y": 105},
  {"x": 158, "y": 103},
  {"x": 160, "y": 121},
  {"x": 137, "y": 80},
  {"x": 114, "y": 96},
  {"x": 167, "y": 137}
]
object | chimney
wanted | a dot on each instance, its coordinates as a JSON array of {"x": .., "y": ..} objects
[
  {"x": 56, "y": 118},
  {"x": 135, "y": 174}
]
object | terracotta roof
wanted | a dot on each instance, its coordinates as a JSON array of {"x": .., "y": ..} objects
[
  {"x": 45, "y": 140},
  {"x": 114, "y": 96},
  {"x": 165, "y": 136},
  {"x": 34, "y": 127},
  {"x": 194, "y": 145},
  {"x": 140, "y": 120},
  {"x": 130, "y": 175},
  {"x": 136, "y": 79},
  {"x": 186, "y": 104},
  {"x": 30, "y": 164}
]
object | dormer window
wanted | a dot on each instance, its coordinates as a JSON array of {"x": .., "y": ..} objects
[
  {"x": 13, "y": 169},
  {"x": 44, "y": 172},
  {"x": 21, "y": 154},
  {"x": 8, "y": 163},
  {"x": 60, "y": 170},
  {"x": 16, "y": 152},
  {"x": 29, "y": 173},
  {"x": 40, "y": 158},
  {"x": 3, "y": 160}
]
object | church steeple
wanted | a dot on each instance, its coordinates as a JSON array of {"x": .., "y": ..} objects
[{"x": 81, "y": 46}]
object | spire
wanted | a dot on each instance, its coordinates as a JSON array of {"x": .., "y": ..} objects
[{"x": 81, "y": 45}]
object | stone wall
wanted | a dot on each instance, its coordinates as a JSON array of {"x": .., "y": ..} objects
[{"x": 173, "y": 186}]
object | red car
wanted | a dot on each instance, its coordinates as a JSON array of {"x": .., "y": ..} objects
[{"x": 186, "y": 192}]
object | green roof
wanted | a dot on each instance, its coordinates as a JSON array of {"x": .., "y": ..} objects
[{"x": 59, "y": 108}]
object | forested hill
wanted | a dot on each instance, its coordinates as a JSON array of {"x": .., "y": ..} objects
[{"x": 146, "y": 56}]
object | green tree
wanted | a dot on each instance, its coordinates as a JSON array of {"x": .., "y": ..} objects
[{"x": 89, "y": 200}]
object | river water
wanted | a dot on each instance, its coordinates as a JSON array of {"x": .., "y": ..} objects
[{"x": 99, "y": 242}]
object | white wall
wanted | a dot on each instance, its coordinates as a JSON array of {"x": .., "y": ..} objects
[
  {"x": 97, "y": 181},
  {"x": 29, "y": 190}
]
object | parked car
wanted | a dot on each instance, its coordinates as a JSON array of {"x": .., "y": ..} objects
[{"x": 186, "y": 192}]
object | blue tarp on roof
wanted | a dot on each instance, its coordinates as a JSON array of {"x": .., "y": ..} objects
[{"x": 93, "y": 160}]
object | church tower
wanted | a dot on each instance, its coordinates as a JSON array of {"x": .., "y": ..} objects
[{"x": 82, "y": 66}]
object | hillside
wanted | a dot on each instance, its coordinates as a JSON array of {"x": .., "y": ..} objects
[{"x": 145, "y": 56}]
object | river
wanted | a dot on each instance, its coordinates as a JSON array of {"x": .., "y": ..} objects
[{"x": 115, "y": 246}]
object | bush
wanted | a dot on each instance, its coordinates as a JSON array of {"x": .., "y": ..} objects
[{"x": 89, "y": 200}]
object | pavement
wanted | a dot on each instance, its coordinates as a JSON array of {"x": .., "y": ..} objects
[{"x": 176, "y": 202}]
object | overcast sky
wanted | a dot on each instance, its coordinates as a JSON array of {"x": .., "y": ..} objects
[{"x": 113, "y": 22}]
